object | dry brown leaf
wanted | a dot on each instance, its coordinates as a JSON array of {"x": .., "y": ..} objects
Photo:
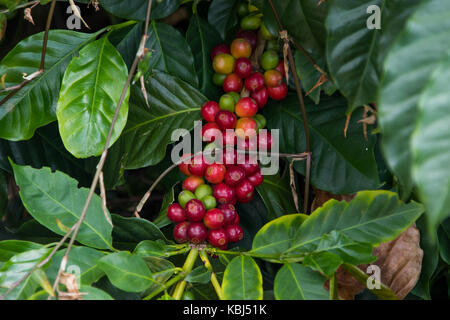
[
  {"x": 70, "y": 281},
  {"x": 400, "y": 260},
  {"x": 28, "y": 16}
]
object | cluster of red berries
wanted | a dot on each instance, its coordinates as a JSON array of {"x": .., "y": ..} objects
[{"x": 232, "y": 122}]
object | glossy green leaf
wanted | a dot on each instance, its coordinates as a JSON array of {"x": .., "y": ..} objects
[
  {"x": 162, "y": 270},
  {"x": 92, "y": 293},
  {"x": 3, "y": 193},
  {"x": 174, "y": 104},
  {"x": 35, "y": 104},
  {"x": 242, "y": 280},
  {"x": 406, "y": 72},
  {"x": 295, "y": 282},
  {"x": 130, "y": 231},
  {"x": 324, "y": 262},
  {"x": 9, "y": 248},
  {"x": 16, "y": 268},
  {"x": 371, "y": 217},
  {"x": 81, "y": 259},
  {"x": 352, "y": 50},
  {"x": 46, "y": 149},
  {"x": 199, "y": 275},
  {"x": 202, "y": 37},
  {"x": 349, "y": 250},
  {"x": 431, "y": 146},
  {"x": 430, "y": 259},
  {"x": 277, "y": 235},
  {"x": 304, "y": 20},
  {"x": 171, "y": 53},
  {"x": 309, "y": 76},
  {"x": 85, "y": 112},
  {"x": 162, "y": 220},
  {"x": 276, "y": 194},
  {"x": 148, "y": 248},
  {"x": 127, "y": 40},
  {"x": 126, "y": 271},
  {"x": 222, "y": 15},
  {"x": 355, "y": 53},
  {"x": 339, "y": 165},
  {"x": 444, "y": 240},
  {"x": 136, "y": 9},
  {"x": 50, "y": 196}
]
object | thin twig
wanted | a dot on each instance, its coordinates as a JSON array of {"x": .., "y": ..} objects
[
  {"x": 300, "y": 99},
  {"x": 103, "y": 196},
  {"x": 23, "y": 5}
]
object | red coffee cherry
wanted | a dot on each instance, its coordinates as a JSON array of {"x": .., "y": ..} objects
[
  {"x": 224, "y": 193},
  {"x": 241, "y": 48},
  {"x": 261, "y": 97},
  {"x": 217, "y": 237},
  {"x": 197, "y": 232},
  {"x": 250, "y": 167},
  {"x": 280, "y": 68},
  {"x": 246, "y": 107},
  {"x": 210, "y": 132},
  {"x": 245, "y": 191},
  {"x": 234, "y": 233},
  {"x": 180, "y": 232},
  {"x": 273, "y": 78},
  {"x": 192, "y": 182},
  {"x": 198, "y": 166},
  {"x": 229, "y": 157},
  {"x": 184, "y": 167},
  {"x": 223, "y": 63},
  {"x": 278, "y": 93},
  {"x": 229, "y": 138},
  {"x": 256, "y": 179},
  {"x": 226, "y": 119},
  {"x": 220, "y": 48},
  {"x": 175, "y": 213},
  {"x": 265, "y": 141},
  {"x": 214, "y": 219},
  {"x": 229, "y": 212},
  {"x": 209, "y": 111},
  {"x": 234, "y": 176},
  {"x": 243, "y": 68},
  {"x": 232, "y": 83},
  {"x": 236, "y": 220},
  {"x": 246, "y": 127},
  {"x": 215, "y": 173},
  {"x": 247, "y": 144},
  {"x": 194, "y": 210},
  {"x": 254, "y": 82}
]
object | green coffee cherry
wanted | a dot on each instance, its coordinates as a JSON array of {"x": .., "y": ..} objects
[
  {"x": 269, "y": 60},
  {"x": 227, "y": 102},
  {"x": 251, "y": 22},
  {"x": 203, "y": 190},
  {"x": 260, "y": 120},
  {"x": 187, "y": 295},
  {"x": 209, "y": 202},
  {"x": 184, "y": 197},
  {"x": 235, "y": 95}
]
